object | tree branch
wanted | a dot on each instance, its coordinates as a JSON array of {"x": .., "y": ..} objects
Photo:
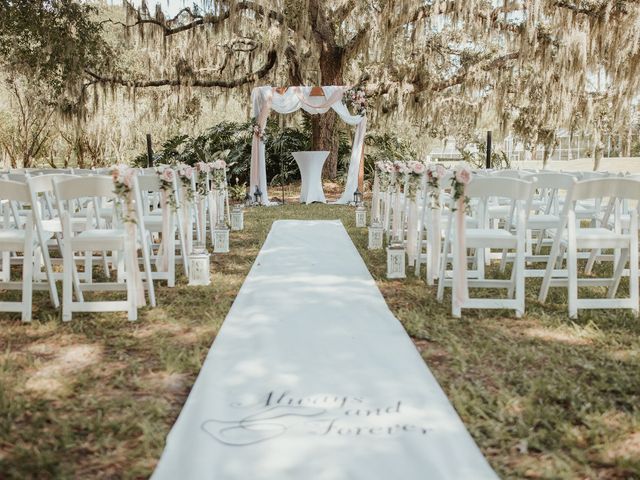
[
  {"x": 190, "y": 81},
  {"x": 198, "y": 20},
  {"x": 496, "y": 63}
]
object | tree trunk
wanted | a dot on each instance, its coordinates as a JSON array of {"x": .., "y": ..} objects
[
  {"x": 324, "y": 131},
  {"x": 324, "y": 127},
  {"x": 545, "y": 156},
  {"x": 597, "y": 150}
]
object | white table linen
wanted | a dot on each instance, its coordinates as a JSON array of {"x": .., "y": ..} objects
[{"x": 310, "y": 165}]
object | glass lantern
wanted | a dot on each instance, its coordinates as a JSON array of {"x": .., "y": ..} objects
[
  {"x": 257, "y": 196},
  {"x": 237, "y": 218},
  {"x": 361, "y": 216},
  {"x": 221, "y": 238},
  {"x": 396, "y": 260},
  {"x": 376, "y": 236},
  {"x": 199, "y": 266},
  {"x": 357, "y": 197}
]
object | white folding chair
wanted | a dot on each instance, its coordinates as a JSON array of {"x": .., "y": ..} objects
[
  {"x": 487, "y": 235},
  {"x": 574, "y": 235},
  {"x": 16, "y": 236},
  {"x": 151, "y": 222},
  {"x": 96, "y": 237}
]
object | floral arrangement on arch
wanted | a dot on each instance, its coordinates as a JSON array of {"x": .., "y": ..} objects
[
  {"x": 459, "y": 181},
  {"x": 123, "y": 176},
  {"x": 185, "y": 174},
  {"x": 356, "y": 100},
  {"x": 259, "y": 132},
  {"x": 166, "y": 174}
]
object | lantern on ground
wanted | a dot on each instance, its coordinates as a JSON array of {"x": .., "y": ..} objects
[
  {"x": 396, "y": 260},
  {"x": 199, "y": 266},
  {"x": 221, "y": 238},
  {"x": 237, "y": 218},
  {"x": 257, "y": 196},
  {"x": 357, "y": 197},
  {"x": 361, "y": 216},
  {"x": 376, "y": 236}
]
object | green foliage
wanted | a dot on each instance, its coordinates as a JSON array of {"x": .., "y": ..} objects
[
  {"x": 232, "y": 142},
  {"x": 52, "y": 43},
  {"x": 477, "y": 158},
  {"x": 384, "y": 146}
]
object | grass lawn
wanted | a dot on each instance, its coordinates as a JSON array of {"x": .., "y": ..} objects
[{"x": 544, "y": 397}]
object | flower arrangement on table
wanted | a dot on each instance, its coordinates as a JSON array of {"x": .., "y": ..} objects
[
  {"x": 356, "y": 100},
  {"x": 435, "y": 172},
  {"x": 185, "y": 174},
  {"x": 123, "y": 176},
  {"x": 218, "y": 174},
  {"x": 459, "y": 181},
  {"x": 166, "y": 175}
]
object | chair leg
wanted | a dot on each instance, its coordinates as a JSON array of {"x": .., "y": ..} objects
[
  {"x": 88, "y": 267},
  {"x": 551, "y": 262},
  {"x": 519, "y": 266},
  {"x": 572, "y": 270},
  {"x": 617, "y": 274},
  {"x": 6, "y": 270},
  {"x": 53, "y": 291},
  {"x": 67, "y": 282},
  {"x": 593, "y": 255},
  {"x": 443, "y": 268},
  {"x": 27, "y": 277},
  {"x": 634, "y": 292},
  {"x": 171, "y": 271},
  {"x": 146, "y": 259},
  {"x": 130, "y": 259}
]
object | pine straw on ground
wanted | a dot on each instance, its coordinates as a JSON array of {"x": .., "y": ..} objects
[{"x": 543, "y": 396}]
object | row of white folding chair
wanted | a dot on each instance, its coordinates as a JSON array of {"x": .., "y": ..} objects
[
  {"x": 598, "y": 234},
  {"x": 81, "y": 223}
]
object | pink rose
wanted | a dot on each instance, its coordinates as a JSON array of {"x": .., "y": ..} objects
[
  {"x": 168, "y": 175},
  {"x": 188, "y": 171},
  {"x": 419, "y": 168},
  {"x": 463, "y": 175},
  {"x": 220, "y": 164}
]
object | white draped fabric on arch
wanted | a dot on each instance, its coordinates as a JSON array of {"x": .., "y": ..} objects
[{"x": 268, "y": 98}]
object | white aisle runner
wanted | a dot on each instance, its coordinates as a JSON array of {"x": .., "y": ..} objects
[{"x": 312, "y": 377}]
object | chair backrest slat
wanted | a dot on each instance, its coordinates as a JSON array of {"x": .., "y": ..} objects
[
  {"x": 77, "y": 187},
  {"x": 485, "y": 187},
  {"x": 14, "y": 191}
]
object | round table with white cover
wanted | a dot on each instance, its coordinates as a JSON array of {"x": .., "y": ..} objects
[{"x": 310, "y": 165}]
